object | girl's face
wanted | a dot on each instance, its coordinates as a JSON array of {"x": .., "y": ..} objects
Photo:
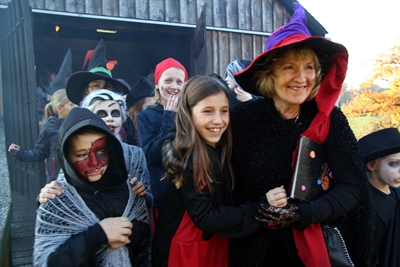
[
  {"x": 210, "y": 117},
  {"x": 110, "y": 112},
  {"x": 294, "y": 80},
  {"x": 171, "y": 83},
  {"x": 65, "y": 109},
  {"x": 147, "y": 102},
  {"x": 88, "y": 155}
]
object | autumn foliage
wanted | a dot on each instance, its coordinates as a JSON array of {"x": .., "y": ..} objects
[{"x": 382, "y": 104}]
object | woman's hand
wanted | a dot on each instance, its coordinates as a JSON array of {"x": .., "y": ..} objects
[
  {"x": 50, "y": 191},
  {"x": 276, "y": 218},
  {"x": 138, "y": 187},
  {"x": 14, "y": 148},
  {"x": 241, "y": 94},
  {"x": 117, "y": 230},
  {"x": 277, "y": 197}
]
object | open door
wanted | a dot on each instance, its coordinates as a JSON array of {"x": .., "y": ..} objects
[
  {"x": 199, "y": 51},
  {"x": 19, "y": 95}
]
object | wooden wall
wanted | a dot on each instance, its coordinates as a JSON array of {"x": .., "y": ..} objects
[
  {"x": 223, "y": 46},
  {"x": 256, "y": 15}
]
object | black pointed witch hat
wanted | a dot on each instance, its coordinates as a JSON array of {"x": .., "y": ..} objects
[
  {"x": 97, "y": 70},
  {"x": 60, "y": 80}
]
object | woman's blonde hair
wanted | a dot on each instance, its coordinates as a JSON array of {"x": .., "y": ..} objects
[
  {"x": 266, "y": 76},
  {"x": 188, "y": 145},
  {"x": 58, "y": 99}
]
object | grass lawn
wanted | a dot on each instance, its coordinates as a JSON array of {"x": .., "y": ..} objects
[{"x": 362, "y": 125}]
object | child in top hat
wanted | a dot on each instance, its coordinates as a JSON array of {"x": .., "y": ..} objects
[
  {"x": 381, "y": 153},
  {"x": 138, "y": 99}
]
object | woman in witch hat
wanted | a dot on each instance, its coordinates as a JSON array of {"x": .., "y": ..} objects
[{"x": 300, "y": 77}]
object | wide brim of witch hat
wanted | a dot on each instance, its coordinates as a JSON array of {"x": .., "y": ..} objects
[
  {"x": 379, "y": 144},
  {"x": 143, "y": 88},
  {"x": 60, "y": 80},
  {"x": 291, "y": 35},
  {"x": 77, "y": 82}
]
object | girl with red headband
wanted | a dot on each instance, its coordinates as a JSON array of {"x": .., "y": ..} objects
[{"x": 154, "y": 122}]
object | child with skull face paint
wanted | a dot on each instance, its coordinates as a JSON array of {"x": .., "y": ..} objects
[
  {"x": 154, "y": 122},
  {"x": 98, "y": 220}
]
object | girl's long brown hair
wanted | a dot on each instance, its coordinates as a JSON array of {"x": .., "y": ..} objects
[{"x": 188, "y": 143}]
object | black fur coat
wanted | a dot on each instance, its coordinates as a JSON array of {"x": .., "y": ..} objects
[{"x": 263, "y": 143}]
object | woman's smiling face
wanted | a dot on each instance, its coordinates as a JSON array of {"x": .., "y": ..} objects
[{"x": 294, "y": 80}]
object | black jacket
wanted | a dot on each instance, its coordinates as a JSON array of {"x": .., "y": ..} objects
[
  {"x": 106, "y": 198},
  {"x": 153, "y": 125},
  {"x": 263, "y": 143},
  {"x": 45, "y": 148},
  {"x": 212, "y": 212}
]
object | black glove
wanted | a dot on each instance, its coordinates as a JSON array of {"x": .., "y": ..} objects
[
  {"x": 170, "y": 162},
  {"x": 275, "y": 218}
]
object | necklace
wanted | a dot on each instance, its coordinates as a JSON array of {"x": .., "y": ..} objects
[{"x": 295, "y": 120}]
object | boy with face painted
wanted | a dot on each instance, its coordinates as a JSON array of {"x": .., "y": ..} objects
[
  {"x": 98, "y": 220},
  {"x": 381, "y": 153}
]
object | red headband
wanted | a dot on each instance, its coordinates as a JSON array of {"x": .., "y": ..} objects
[{"x": 166, "y": 64}]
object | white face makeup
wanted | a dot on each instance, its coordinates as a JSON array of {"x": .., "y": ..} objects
[{"x": 110, "y": 112}]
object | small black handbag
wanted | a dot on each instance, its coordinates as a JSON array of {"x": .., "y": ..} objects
[{"x": 337, "y": 250}]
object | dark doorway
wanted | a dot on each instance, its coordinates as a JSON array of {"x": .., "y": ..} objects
[{"x": 137, "y": 47}]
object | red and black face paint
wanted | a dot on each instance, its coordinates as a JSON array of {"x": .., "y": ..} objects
[{"x": 96, "y": 160}]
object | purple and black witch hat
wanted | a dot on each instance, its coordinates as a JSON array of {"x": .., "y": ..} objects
[{"x": 294, "y": 33}]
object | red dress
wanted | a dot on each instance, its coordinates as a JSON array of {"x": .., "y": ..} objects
[{"x": 189, "y": 249}]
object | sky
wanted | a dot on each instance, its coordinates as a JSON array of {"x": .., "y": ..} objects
[{"x": 366, "y": 27}]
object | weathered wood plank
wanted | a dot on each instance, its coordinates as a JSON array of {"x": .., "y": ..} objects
[
  {"x": 142, "y": 9},
  {"x": 55, "y": 5},
  {"x": 223, "y": 50},
  {"x": 110, "y": 8},
  {"x": 75, "y": 6},
  {"x": 232, "y": 14},
  {"x": 247, "y": 46},
  {"x": 267, "y": 14},
  {"x": 157, "y": 10},
  {"x": 278, "y": 15},
  {"x": 127, "y": 8},
  {"x": 210, "y": 52},
  {"x": 215, "y": 51},
  {"x": 93, "y": 7},
  {"x": 256, "y": 15},
  {"x": 235, "y": 45},
  {"x": 188, "y": 11},
  {"x": 258, "y": 46},
  {"x": 39, "y": 4},
  {"x": 244, "y": 15},
  {"x": 172, "y": 11},
  {"x": 219, "y": 13}
]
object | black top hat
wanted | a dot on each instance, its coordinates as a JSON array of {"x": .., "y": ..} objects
[
  {"x": 78, "y": 81},
  {"x": 379, "y": 144},
  {"x": 143, "y": 88}
]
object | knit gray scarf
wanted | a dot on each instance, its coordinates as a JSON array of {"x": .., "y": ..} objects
[{"x": 67, "y": 215}]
